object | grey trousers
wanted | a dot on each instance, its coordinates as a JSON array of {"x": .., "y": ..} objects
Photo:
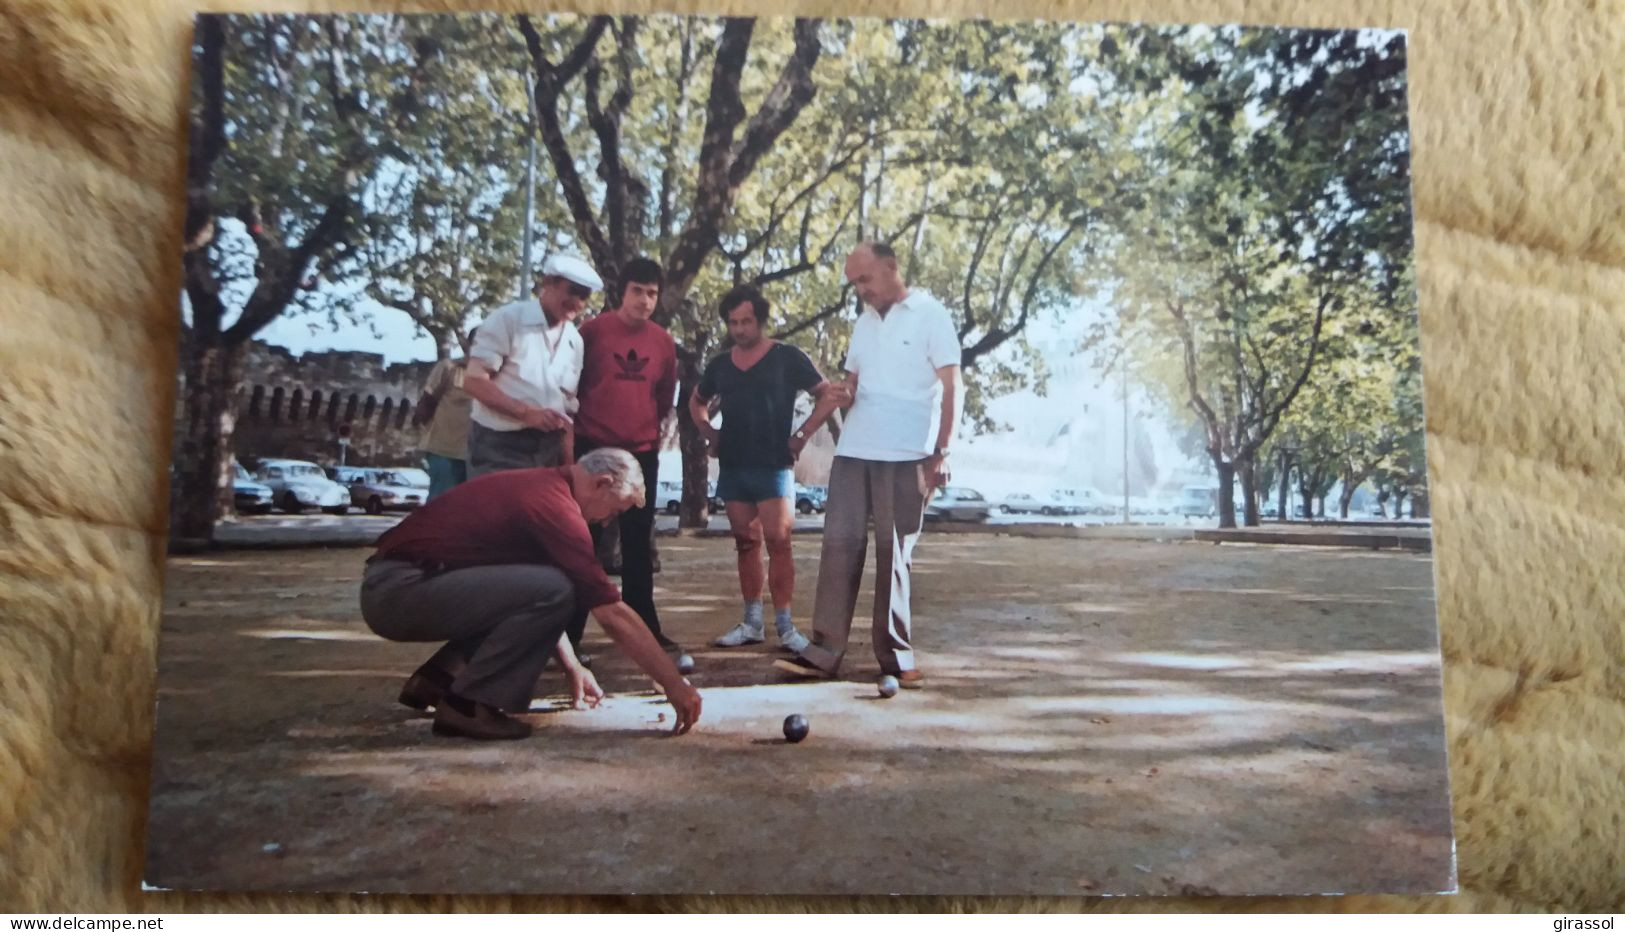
[
  {"x": 894, "y": 495},
  {"x": 495, "y": 450},
  {"x": 503, "y": 621}
]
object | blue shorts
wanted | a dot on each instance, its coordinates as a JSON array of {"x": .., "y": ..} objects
[{"x": 754, "y": 483}]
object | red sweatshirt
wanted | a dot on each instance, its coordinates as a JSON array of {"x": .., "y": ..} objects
[
  {"x": 514, "y": 516},
  {"x": 628, "y": 383}
]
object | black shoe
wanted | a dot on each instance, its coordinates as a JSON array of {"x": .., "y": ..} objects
[
  {"x": 425, "y": 687},
  {"x": 475, "y": 720},
  {"x": 802, "y": 667}
]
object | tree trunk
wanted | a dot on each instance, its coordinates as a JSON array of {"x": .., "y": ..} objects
[
  {"x": 1227, "y": 492},
  {"x": 202, "y": 492},
  {"x": 1399, "y": 504},
  {"x": 695, "y": 510},
  {"x": 1419, "y": 504},
  {"x": 1281, "y": 498},
  {"x": 1350, "y": 483},
  {"x": 1306, "y": 493},
  {"x": 1249, "y": 492},
  {"x": 1320, "y": 509}
]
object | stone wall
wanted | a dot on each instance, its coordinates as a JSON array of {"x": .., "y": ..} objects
[{"x": 292, "y": 406}]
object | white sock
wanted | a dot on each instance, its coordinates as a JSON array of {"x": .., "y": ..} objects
[{"x": 753, "y": 615}]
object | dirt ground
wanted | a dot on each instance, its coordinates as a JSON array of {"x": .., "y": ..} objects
[{"x": 1101, "y": 717}]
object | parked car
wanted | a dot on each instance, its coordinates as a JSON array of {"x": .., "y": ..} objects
[
  {"x": 250, "y": 497},
  {"x": 669, "y": 497},
  {"x": 413, "y": 476},
  {"x": 1020, "y": 503},
  {"x": 378, "y": 490},
  {"x": 1060, "y": 503},
  {"x": 811, "y": 498},
  {"x": 298, "y": 485},
  {"x": 1076, "y": 502},
  {"x": 1196, "y": 501},
  {"x": 956, "y": 503}
]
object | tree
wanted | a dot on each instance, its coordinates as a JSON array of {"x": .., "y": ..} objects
[
  {"x": 1276, "y": 196},
  {"x": 732, "y": 143},
  {"x": 289, "y": 117},
  {"x": 445, "y": 223}
]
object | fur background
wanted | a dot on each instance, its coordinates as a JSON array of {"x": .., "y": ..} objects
[{"x": 1518, "y": 120}]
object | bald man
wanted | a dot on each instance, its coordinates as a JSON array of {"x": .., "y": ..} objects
[{"x": 903, "y": 381}]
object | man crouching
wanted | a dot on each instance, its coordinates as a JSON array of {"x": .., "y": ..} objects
[{"x": 495, "y": 568}]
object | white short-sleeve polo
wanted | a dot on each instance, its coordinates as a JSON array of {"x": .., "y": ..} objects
[
  {"x": 531, "y": 361},
  {"x": 899, "y": 402}
]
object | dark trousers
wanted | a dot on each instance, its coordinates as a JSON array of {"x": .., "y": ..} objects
[
  {"x": 495, "y": 450},
  {"x": 500, "y": 623},
  {"x": 636, "y": 526}
]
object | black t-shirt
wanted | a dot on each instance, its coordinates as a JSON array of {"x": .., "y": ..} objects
[{"x": 758, "y": 404}]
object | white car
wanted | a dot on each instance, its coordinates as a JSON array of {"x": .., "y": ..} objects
[
  {"x": 249, "y": 496},
  {"x": 298, "y": 485},
  {"x": 377, "y": 490},
  {"x": 1021, "y": 503},
  {"x": 956, "y": 503},
  {"x": 414, "y": 477},
  {"x": 669, "y": 496}
]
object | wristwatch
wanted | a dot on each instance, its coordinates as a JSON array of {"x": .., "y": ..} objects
[
  {"x": 800, "y": 434},
  {"x": 942, "y": 453}
]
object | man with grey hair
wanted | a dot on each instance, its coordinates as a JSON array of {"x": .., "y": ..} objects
[
  {"x": 523, "y": 371},
  {"x": 496, "y": 568}
]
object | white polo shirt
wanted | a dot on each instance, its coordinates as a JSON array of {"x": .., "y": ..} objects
[
  {"x": 532, "y": 362},
  {"x": 898, "y": 408}
]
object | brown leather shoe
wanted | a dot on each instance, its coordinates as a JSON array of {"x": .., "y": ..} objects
[
  {"x": 484, "y": 724},
  {"x": 910, "y": 679},
  {"x": 421, "y": 693}
]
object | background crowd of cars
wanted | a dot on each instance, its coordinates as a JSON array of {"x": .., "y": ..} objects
[{"x": 297, "y": 486}]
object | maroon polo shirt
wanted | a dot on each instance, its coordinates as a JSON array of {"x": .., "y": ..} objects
[{"x": 514, "y": 516}]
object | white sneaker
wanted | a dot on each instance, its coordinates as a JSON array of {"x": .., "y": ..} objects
[
  {"x": 795, "y": 642},
  {"x": 741, "y": 635}
]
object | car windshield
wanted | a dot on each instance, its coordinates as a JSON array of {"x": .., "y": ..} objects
[
  {"x": 385, "y": 477},
  {"x": 970, "y": 495},
  {"x": 241, "y": 473},
  {"x": 305, "y": 471}
]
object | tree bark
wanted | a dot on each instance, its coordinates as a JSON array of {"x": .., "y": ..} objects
[
  {"x": 1227, "y": 492},
  {"x": 1343, "y": 499},
  {"x": 212, "y": 373},
  {"x": 1249, "y": 492},
  {"x": 695, "y": 510},
  {"x": 1281, "y": 496}
]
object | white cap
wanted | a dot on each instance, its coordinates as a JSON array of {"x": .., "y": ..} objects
[{"x": 574, "y": 269}]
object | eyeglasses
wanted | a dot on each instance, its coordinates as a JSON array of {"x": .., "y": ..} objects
[{"x": 580, "y": 292}]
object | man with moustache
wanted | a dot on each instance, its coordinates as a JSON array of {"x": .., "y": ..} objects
[
  {"x": 756, "y": 382},
  {"x": 523, "y": 371}
]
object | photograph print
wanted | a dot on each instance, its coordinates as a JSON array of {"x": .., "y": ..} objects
[{"x": 673, "y": 454}]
